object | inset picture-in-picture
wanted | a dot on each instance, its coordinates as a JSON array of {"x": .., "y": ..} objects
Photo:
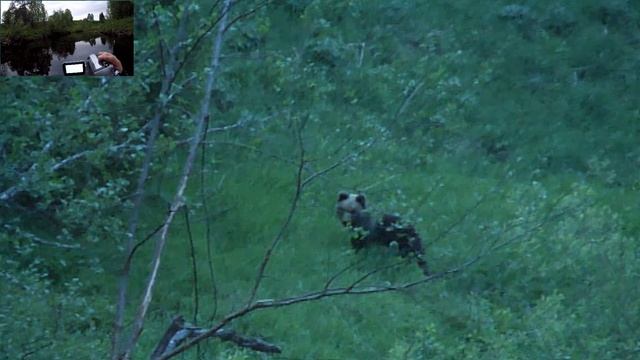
[{"x": 66, "y": 38}]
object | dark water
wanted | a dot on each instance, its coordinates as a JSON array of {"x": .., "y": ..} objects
[{"x": 46, "y": 57}]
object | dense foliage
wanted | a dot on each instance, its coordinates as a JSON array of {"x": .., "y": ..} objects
[
  {"x": 24, "y": 12},
  {"x": 505, "y": 130},
  {"x": 60, "y": 21},
  {"x": 119, "y": 9}
]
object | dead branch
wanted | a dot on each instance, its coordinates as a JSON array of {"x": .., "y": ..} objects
[
  {"x": 123, "y": 282},
  {"x": 178, "y": 200},
  {"x": 168, "y": 342},
  {"x": 253, "y": 343},
  {"x": 178, "y": 332}
]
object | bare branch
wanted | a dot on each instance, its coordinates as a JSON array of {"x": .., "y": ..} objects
[
  {"x": 38, "y": 240},
  {"x": 337, "y": 164},
  {"x": 375, "y": 271},
  {"x": 459, "y": 221},
  {"x": 339, "y": 273},
  {"x": 28, "y": 354},
  {"x": 142, "y": 242},
  {"x": 235, "y": 125},
  {"x": 178, "y": 200},
  {"x": 203, "y": 198},
  {"x": 123, "y": 283},
  {"x": 361, "y": 58},
  {"x": 408, "y": 98},
  {"x": 285, "y": 225},
  {"x": 256, "y": 344},
  {"x": 178, "y": 332},
  {"x": 246, "y": 14},
  {"x": 194, "y": 268}
]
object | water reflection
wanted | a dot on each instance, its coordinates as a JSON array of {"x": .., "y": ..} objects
[
  {"x": 46, "y": 57},
  {"x": 63, "y": 47},
  {"x": 28, "y": 61}
]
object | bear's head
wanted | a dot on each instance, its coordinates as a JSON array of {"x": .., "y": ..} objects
[{"x": 349, "y": 205}]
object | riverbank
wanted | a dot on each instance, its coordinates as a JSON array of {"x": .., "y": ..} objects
[{"x": 20, "y": 34}]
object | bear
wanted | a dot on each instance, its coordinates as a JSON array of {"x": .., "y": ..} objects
[{"x": 389, "y": 231}]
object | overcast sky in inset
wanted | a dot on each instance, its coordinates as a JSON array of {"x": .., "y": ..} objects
[{"x": 79, "y": 9}]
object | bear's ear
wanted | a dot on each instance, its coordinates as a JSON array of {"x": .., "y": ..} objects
[
  {"x": 343, "y": 195},
  {"x": 360, "y": 199}
]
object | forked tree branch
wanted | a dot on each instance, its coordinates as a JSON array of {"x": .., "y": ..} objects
[
  {"x": 123, "y": 281},
  {"x": 178, "y": 200}
]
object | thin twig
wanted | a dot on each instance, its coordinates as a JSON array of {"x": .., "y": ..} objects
[
  {"x": 247, "y": 14},
  {"x": 459, "y": 221},
  {"x": 375, "y": 271},
  {"x": 342, "y": 271},
  {"x": 194, "y": 268},
  {"x": 235, "y": 125},
  {"x": 142, "y": 242},
  {"x": 203, "y": 198},
  {"x": 336, "y": 164},
  {"x": 285, "y": 225}
]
